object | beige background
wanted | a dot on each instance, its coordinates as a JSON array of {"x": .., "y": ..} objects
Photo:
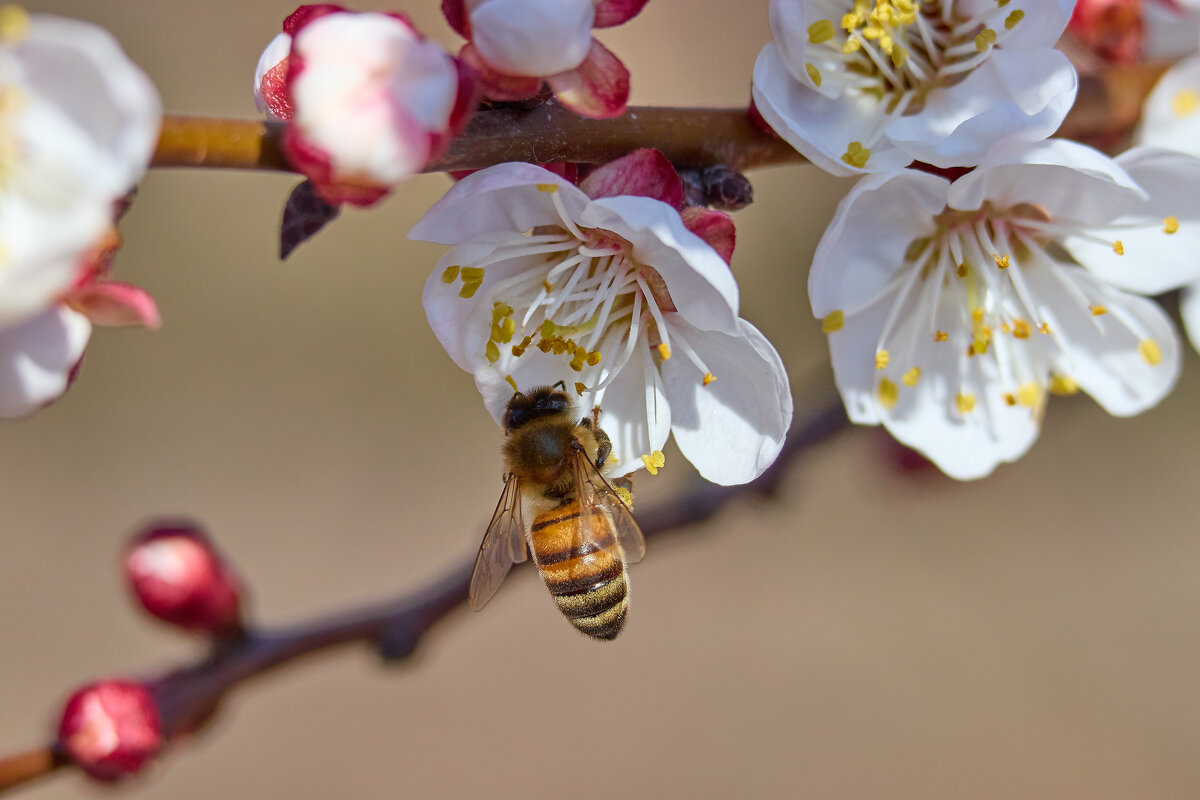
[{"x": 867, "y": 635}]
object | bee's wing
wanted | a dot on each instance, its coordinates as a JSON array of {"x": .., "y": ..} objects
[
  {"x": 503, "y": 545},
  {"x": 594, "y": 491}
]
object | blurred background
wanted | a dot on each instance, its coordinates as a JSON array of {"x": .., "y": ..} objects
[{"x": 872, "y": 632}]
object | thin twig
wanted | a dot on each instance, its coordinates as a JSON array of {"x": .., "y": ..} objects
[
  {"x": 188, "y": 697},
  {"x": 1108, "y": 107}
]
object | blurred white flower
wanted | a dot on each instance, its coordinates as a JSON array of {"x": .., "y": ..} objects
[
  {"x": 369, "y": 102},
  {"x": 953, "y": 309},
  {"x": 614, "y": 295},
  {"x": 78, "y": 125},
  {"x": 857, "y": 86}
]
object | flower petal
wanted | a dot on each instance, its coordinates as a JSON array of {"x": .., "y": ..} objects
[
  {"x": 820, "y": 128},
  {"x": 497, "y": 85},
  {"x": 733, "y": 428},
  {"x": 700, "y": 283},
  {"x": 1041, "y": 24},
  {"x": 116, "y": 304},
  {"x": 714, "y": 227},
  {"x": 36, "y": 359},
  {"x": 616, "y": 12},
  {"x": 505, "y": 197},
  {"x": 1171, "y": 114},
  {"x": 532, "y": 37},
  {"x": 270, "y": 79},
  {"x": 455, "y": 12},
  {"x": 636, "y": 413},
  {"x": 645, "y": 172},
  {"x": 1011, "y": 97},
  {"x": 1154, "y": 260},
  {"x": 597, "y": 88},
  {"x": 1189, "y": 310}
]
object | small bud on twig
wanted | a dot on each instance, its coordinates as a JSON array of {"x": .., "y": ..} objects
[
  {"x": 110, "y": 729},
  {"x": 177, "y": 575}
]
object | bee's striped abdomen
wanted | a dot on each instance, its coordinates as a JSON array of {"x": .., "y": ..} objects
[{"x": 586, "y": 578}]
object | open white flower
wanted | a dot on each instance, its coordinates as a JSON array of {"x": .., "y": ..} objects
[
  {"x": 860, "y": 86},
  {"x": 616, "y": 297},
  {"x": 78, "y": 124},
  {"x": 953, "y": 309}
]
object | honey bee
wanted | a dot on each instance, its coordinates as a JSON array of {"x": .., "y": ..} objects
[{"x": 583, "y": 534}]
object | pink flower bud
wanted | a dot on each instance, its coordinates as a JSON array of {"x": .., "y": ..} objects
[
  {"x": 110, "y": 729},
  {"x": 177, "y": 575},
  {"x": 1113, "y": 29}
]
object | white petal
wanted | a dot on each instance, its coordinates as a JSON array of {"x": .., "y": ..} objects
[
  {"x": 1043, "y": 23},
  {"x": 1154, "y": 261},
  {"x": 701, "y": 284},
  {"x": 1171, "y": 114},
  {"x": 505, "y": 197},
  {"x": 636, "y": 413},
  {"x": 275, "y": 52},
  {"x": 1069, "y": 180},
  {"x": 819, "y": 127},
  {"x": 1169, "y": 33},
  {"x": 1013, "y": 96},
  {"x": 1189, "y": 310},
  {"x": 733, "y": 428},
  {"x": 865, "y": 243},
  {"x": 532, "y": 37},
  {"x": 1100, "y": 353},
  {"x": 36, "y": 358}
]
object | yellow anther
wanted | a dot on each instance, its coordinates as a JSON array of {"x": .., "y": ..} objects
[
  {"x": 1030, "y": 394},
  {"x": 1001, "y": 3},
  {"x": 1063, "y": 385},
  {"x": 985, "y": 39},
  {"x": 911, "y": 377},
  {"x": 707, "y": 379},
  {"x": 882, "y": 358},
  {"x": 14, "y": 23},
  {"x": 577, "y": 364},
  {"x": 546, "y": 331},
  {"x": 964, "y": 402},
  {"x": 580, "y": 388},
  {"x": 849, "y": 22},
  {"x": 511, "y": 382},
  {"x": 593, "y": 358},
  {"x": 558, "y": 346},
  {"x": 1098, "y": 310},
  {"x": 449, "y": 274},
  {"x": 1170, "y": 225},
  {"x": 1013, "y": 19},
  {"x": 1118, "y": 248},
  {"x": 654, "y": 462},
  {"x": 664, "y": 352},
  {"x": 1021, "y": 328},
  {"x": 814, "y": 74},
  {"x": 887, "y": 393},
  {"x": 545, "y": 344},
  {"x": 820, "y": 31},
  {"x": 856, "y": 155},
  {"x": 1044, "y": 328},
  {"x": 851, "y": 46},
  {"x": 833, "y": 322},
  {"x": 548, "y": 188},
  {"x": 899, "y": 55},
  {"x": 940, "y": 336},
  {"x": 472, "y": 274},
  {"x": 469, "y": 288},
  {"x": 1150, "y": 352},
  {"x": 962, "y": 270},
  {"x": 507, "y": 329},
  {"x": 1003, "y": 262},
  {"x": 1185, "y": 102},
  {"x": 492, "y": 352},
  {"x": 518, "y": 350},
  {"x": 501, "y": 310},
  {"x": 548, "y": 286}
]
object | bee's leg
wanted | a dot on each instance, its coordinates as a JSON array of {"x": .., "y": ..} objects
[{"x": 596, "y": 416}]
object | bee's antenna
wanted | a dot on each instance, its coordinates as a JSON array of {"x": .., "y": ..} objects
[{"x": 559, "y": 384}]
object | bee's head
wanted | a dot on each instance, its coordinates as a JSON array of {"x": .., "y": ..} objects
[{"x": 544, "y": 401}]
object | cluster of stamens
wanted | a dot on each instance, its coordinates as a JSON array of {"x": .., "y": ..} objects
[{"x": 897, "y": 51}]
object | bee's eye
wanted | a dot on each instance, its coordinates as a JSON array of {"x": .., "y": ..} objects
[{"x": 515, "y": 418}]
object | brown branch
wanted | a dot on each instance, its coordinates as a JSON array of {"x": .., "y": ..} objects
[
  {"x": 1108, "y": 106},
  {"x": 188, "y": 697}
]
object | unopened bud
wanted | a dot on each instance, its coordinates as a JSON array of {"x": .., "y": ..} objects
[
  {"x": 110, "y": 729},
  {"x": 1113, "y": 29},
  {"x": 177, "y": 575}
]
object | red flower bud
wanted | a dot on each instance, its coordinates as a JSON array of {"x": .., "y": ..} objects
[
  {"x": 110, "y": 729},
  {"x": 177, "y": 575},
  {"x": 1113, "y": 29}
]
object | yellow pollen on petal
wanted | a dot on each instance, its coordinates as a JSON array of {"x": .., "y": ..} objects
[
  {"x": 664, "y": 352},
  {"x": 547, "y": 188},
  {"x": 964, "y": 402},
  {"x": 580, "y": 388},
  {"x": 449, "y": 274},
  {"x": 1013, "y": 19},
  {"x": 881, "y": 359},
  {"x": 1003, "y": 261},
  {"x": 888, "y": 393},
  {"x": 1021, "y": 329},
  {"x": 1030, "y": 394},
  {"x": 940, "y": 336},
  {"x": 511, "y": 382},
  {"x": 856, "y": 155},
  {"x": 1170, "y": 225},
  {"x": 821, "y": 31},
  {"x": 814, "y": 74},
  {"x": 911, "y": 377},
  {"x": 492, "y": 352},
  {"x": 1098, "y": 310},
  {"x": 654, "y": 462},
  {"x": 1150, "y": 352},
  {"x": 707, "y": 379},
  {"x": 833, "y": 322},
  {"x": 985, "y": 39},
  {"x": 14, "y": 23},
  {"x": 1118, "y": 247},
  {"x": 1063, "y": 385},
  {"x": 1185, "y": 102}
]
